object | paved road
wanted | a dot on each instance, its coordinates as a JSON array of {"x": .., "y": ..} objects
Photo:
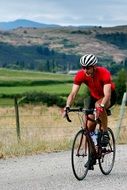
[{"x": 53, "y": 172}]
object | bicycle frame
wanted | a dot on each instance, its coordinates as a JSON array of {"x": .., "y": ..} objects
[{"x": 94, "y": 150}]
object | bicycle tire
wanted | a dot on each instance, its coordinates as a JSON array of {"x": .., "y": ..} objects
[
  {"x": 80, "y": 155},
  {"x": 106, "y": 162}
]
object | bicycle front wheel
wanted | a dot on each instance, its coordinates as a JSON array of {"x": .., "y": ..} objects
[
  {"x": 80, "y": 155},
  {"x": 106, "y": 162}
]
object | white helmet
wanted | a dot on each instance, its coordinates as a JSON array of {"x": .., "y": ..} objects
[{"x": 88, "y": 60}]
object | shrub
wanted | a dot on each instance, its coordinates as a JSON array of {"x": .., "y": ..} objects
[
  {"x": 45, "y": 98},
  {"x": 120, "y": 85}
]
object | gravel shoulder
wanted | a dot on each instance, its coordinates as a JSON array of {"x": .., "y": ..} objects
[{"x": 53, "y": 172}]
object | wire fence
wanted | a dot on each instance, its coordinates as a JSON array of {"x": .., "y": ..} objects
[
  {"x": 38, "y": 124},
  {"x": 34, "y": 126}
]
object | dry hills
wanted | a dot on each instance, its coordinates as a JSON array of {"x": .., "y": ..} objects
[{"x": 68, "y": 40}]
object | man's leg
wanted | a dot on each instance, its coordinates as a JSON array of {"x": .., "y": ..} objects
[
  {"x": 103, "y": 116},
  {"x": 104, "y": 119},
  {"x": 91, "y": 124},
  {"x": 91, "y": 105}
]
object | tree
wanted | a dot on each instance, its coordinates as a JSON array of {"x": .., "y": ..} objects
[{"x": 120, "y": 85}]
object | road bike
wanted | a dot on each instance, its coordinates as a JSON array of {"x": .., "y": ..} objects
[{"x": 85, "y": 152}]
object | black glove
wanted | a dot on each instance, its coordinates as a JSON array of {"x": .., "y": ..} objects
[{"x": 67, "y": 108}]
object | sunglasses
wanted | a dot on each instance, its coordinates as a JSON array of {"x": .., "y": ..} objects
[{"x": 87, "y": 68}]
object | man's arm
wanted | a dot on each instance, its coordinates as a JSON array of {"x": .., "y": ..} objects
[
  {"x": 72, "y": 95},
  {"x": 107, "y": 95}
]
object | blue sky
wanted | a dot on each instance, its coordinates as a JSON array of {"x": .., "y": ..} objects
[{"x": 66, "y": 12}]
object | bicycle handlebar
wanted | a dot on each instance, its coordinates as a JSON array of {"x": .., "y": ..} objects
[{"x": 85, "y": 111}]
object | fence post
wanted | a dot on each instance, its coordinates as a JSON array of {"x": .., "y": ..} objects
[
  {"x": 17, "y": 119},
  {"x": 121, "y": 115}
]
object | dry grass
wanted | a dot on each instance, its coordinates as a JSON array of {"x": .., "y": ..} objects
[{"x": 43, "y": 129}]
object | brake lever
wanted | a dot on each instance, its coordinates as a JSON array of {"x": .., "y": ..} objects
[{"x": 67, "y": 116}]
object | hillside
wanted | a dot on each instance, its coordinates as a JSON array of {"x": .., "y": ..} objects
[
  {"x": 24, "y": 23},
  {"x": 61, "y": 46}
]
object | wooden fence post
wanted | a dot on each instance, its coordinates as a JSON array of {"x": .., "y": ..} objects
[{"x": 17, "y": 119}]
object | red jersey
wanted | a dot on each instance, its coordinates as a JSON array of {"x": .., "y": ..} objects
[{"x": 96, "y": 83}]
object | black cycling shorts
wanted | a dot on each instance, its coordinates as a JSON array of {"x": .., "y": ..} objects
[{"x": 93, "y": 100}]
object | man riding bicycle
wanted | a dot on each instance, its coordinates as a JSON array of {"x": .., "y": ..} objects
[{"x": 102, "y": 91}]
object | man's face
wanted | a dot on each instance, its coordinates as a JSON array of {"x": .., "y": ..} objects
[{"x": 89, "y": 70}]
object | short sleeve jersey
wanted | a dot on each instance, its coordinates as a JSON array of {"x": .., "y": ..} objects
[{"x": 96, "y": 83}]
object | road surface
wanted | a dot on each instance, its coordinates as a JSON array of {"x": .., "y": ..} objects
[{"x": 52, "y": 171}]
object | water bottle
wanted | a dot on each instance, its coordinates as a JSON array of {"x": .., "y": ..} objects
[{"x": 94, "y": 136}]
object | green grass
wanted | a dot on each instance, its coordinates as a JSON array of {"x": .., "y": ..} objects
[
  {"x": 16, "y": 75},
  {"x": 53, "y": 89},
  {"x": 15, "y": 82}
]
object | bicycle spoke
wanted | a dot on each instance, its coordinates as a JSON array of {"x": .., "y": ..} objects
[
  {"x": 107, "y": 159},
  {"x": 80, "y": 155}
]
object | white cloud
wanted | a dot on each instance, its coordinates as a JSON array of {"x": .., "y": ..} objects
[{"x": 65, "y": 12}]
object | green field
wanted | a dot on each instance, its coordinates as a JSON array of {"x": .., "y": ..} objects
[
  {"x": 16, "y": 75},
  {"x": 53, "y": 89},
  {"x": 14, "y": 82}
]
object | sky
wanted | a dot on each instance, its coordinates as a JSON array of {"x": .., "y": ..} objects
[{"x": 66, "y": 12}]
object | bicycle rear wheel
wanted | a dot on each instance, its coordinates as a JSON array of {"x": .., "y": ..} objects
[
  {"x": 106, "y": 162},
  {"x": 80, "y": 155}
]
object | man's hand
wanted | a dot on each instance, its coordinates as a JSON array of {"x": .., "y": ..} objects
[
  {"x": 99, "y": 110},
  {"x": 65, "y": 110}
]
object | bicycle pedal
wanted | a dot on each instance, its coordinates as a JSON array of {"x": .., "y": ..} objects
[{"x": 104, "y": 150}]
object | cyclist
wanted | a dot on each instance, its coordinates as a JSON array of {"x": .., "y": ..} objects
[{"x": 102, "y": 91}]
